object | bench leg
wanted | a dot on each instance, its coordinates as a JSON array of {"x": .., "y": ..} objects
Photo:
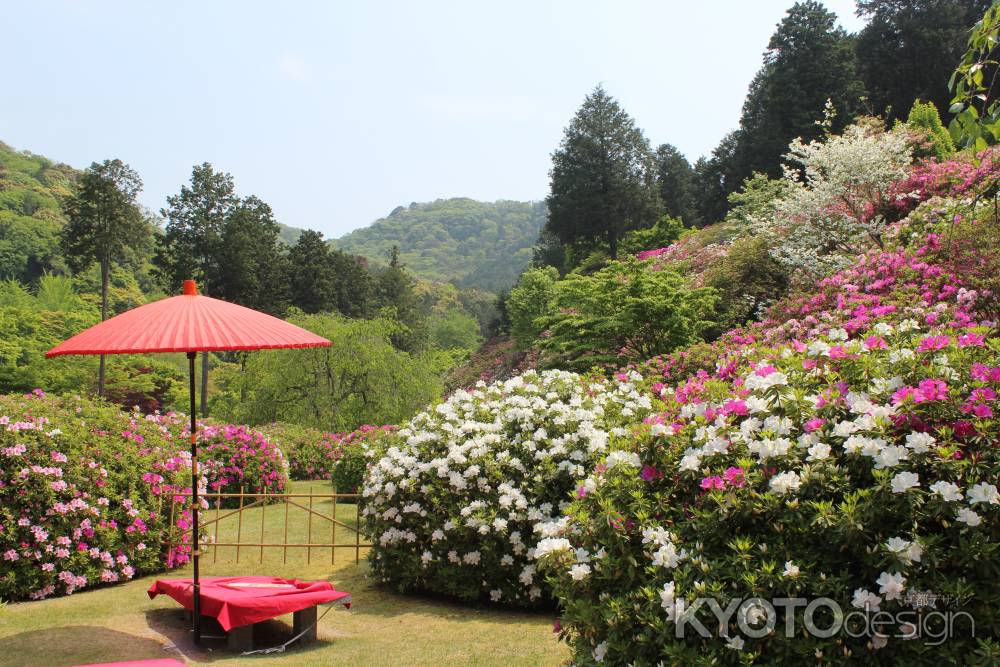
[
  {"x": 240, "y": 639},
  {"x": 302, "y": 619}
]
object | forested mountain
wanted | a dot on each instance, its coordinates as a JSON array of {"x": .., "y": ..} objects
[
  {"x": 470, "y": 243},
  {"x": 32, "y": 189}
]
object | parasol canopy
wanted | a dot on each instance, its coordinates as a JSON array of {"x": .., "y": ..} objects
[{"x": 189, "y": 323}]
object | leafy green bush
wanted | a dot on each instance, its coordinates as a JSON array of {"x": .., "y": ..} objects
[
  {"x": 356, "y": 381},
  {"x": 452, "y": 500},
  {"x": 83, "y": 493},
  {"x": 625, "y": 312},
  {"x": 527, "y": 301},
  {"x": 313, "y": 454}
]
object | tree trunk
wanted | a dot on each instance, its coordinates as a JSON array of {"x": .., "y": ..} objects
[
  {"x": 613, "y": 242},
  {"x": 105, "y": 280}
]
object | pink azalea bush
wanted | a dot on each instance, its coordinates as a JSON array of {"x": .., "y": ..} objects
[
  {"x": 238, "y": 457},
  {"x": 863, "y": 471},
  {"x": 315, "y": 455},
  {"x": 844, "y": 448},
  {"x": 74, "y": 513}
]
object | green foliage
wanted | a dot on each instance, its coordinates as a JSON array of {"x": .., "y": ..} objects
[
  {"x": 470, "y": 243},
  {"x": 907, "y": 50},
  {"x": 663, "y": 233},
  {"x": 251, "y": 254},
  {"x": 976, "y": 110},
  {"x": 603, "y": 177},
  {"x": 924, "y": 119},
  {"x": 747, "y": 280},
  {"x": 356, "y": 381},
  {"x": 453, "y": 329},
  {"x": 625, "y": 312},
  {"x": 530, "y": 299},
  {"x": 677, "y": 185},
  {"x": 32, "y": 190}
]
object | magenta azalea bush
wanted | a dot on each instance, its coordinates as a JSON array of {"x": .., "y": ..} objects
[
  {"x": 74, "y": 512},
  {"x": 844, "y": 449},
  {"x": 238, "y": 457},
  {"x": 315, "y": 455}
]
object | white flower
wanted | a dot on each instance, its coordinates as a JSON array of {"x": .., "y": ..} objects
[
  {"x": 668, "y": 556},
  {"x": 426, "y": 557},
  {"x": 791, "y": 569},
  {"x": 969, "y": 517},
  {"x": 947, "y": 490},
  {"x": 618, "y": 458},
  {"x": 551, "y": 545},
  {"x": 904, "y": 481},
  {"x": 865, "y": 599},
  {"x": 600, "y": 651},
  {"x": 785, "y": 482},
  {"x": 471, "y": 558},
  {"x": 984, "y": 493},
  {"x": 579, "y": 571},
  {"x": 908, "y": 552},
  {"x": 656, "y": 535},
  {"x": 818, "y": 452},
  {"x": 889, "y": 457},
  {"x": 919, "y": 442},
  {"x": 667, "y": 600},
  {"x": 735, "y": 643},
  {"x": 891, "y": 585},
  {"x": 496, "y": 594}
]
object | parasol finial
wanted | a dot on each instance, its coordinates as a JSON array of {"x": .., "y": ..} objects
[{"x": 190, "y": 288}]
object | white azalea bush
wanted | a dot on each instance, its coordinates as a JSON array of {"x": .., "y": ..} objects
[
  {"x": 861, "y": 467},
  {"x": 455, "y": 501}
]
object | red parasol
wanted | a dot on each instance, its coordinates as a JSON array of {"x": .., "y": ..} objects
[{"x": 190, "y": 323}]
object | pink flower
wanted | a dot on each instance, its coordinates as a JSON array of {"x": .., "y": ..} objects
[
  {"x": 875, "y": 343},
  {"x": 814, "y": 424},
  {"x": 931, "y": 390},
  {"x": 649, "y": 473},
  {"x": 971, "y": 339},
  {"x": 931, "y": 343},
  {"x": 713, "y": 482},
  {"x": 902, "y": 394},
  {"x": 735, "y": 477}
]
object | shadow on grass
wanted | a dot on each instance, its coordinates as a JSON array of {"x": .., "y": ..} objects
[
  {"x": 377, "y": 599},
  {"x": 75, "y": 645},
  {"x": 175, "y": 626}
]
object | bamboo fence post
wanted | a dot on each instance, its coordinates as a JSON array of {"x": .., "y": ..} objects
[
  {"x": 239, "y": 526},
  {"x": 309, "y": 549},
  {"x": 333, "y": 532},
  {"x": 285, "y": 551},
  {"x": 262, "y": 508},
  {"x": 357, "y": 530},
  {"x": 215, "y": 549}
]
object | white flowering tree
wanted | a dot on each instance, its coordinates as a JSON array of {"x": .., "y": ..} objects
[
  {"x": 456, "y": 501},
  {"x": 837, "y": 191}
]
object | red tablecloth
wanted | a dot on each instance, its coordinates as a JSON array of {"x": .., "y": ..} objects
[{"x": 236, "y": 601}]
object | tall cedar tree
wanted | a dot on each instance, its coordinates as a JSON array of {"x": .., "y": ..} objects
[
  {"x": 250, "y": 252},
  {"x": 105, "y": 226},
  {"x": 311, "y": 279},
  {"x": 809, "y": 60},
  {"x": 603, "y": 177},
  {"x": 196, "y": 220},
  {"x": 677, "y": 185},
  {"x": 909, "y": 49}
]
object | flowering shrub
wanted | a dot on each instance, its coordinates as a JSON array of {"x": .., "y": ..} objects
[
  {"x": 237, "y": 457},
  {"x": 313, "y": 454},
  {"x": 858, "y": 468},
  {"x": 834, "y": 208},
  {"x": 453, "y": 500},
  {"x": 74, "y": 512}
]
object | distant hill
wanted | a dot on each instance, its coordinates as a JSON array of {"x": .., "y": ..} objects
[
  {"x": 463, "y": 241},
  {"x": 32, "y": 189}
]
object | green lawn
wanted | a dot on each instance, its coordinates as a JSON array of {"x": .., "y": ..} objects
[{"x": 382, "y": 628}]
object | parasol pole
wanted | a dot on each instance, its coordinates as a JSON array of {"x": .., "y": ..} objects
[{"x": 196, "y": 612}]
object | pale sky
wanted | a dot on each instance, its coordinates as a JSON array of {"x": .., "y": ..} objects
[{"x": 337, "y": 112}]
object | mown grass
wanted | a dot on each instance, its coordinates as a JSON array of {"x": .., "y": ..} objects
[{"x": 382, "y": 628}]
